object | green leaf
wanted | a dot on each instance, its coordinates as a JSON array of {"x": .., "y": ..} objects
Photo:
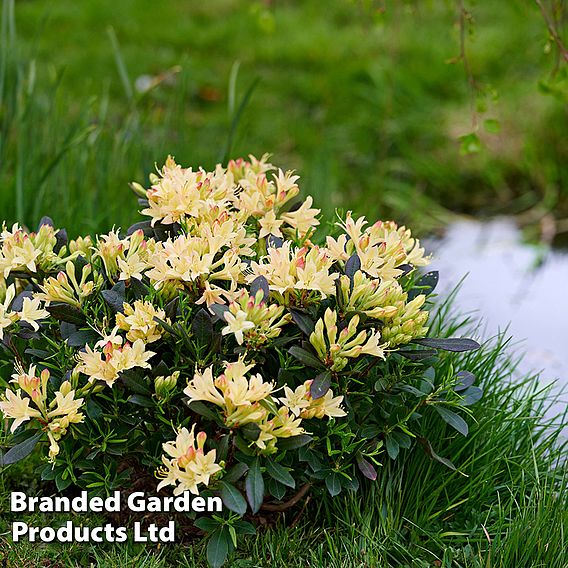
[
  {"x": 202, "y": 409},
  {"x": 430, "y": 451},
  {"x": 470, "y": 144},
  {"x": 466, "y": 379},
  {"x": 294, "y": 442},
  {"x": 333, "y": 484},
  {"x": 141, "y": 400},
  {"x": 303, "y": 321},
  {"x": 455, "y": 344},
  {"x": 20, "y": 451},
  {"x": 206, "y": 524},
  {"x": 115, "y": 297},
  {"x": 320, "y": 385},
  {"x": 352, "y": 265},
  {"x": 236, "y": 472},
  {"x": 67, "y": 313},
  {"x": 250, "y": 431},
  {"x": 426, "y": 285},
  {"x": 260, "y": 283},
  {"x": 81, "y": 338},
  {"x": 218, "y": 548},
  {"x": 453, "y": 419},
  {"x": 471, "y": 396},
  {"x": 233, "y": 499},
  {"x": 202, "y": 327},
  {"x": 366, "y": 468},
  {"x": 492, "y": 125},
  {"x": 276, "y": 489},
  {"x": 280, "y": 473},
  {"x": 392, "y": 446},
  {"x": 305, "y": 357},
  {"x": 255, "y": 486},
  {"x": 244, "y": 527}
]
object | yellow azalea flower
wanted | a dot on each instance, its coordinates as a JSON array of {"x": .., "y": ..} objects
[
  {"x": 382, "y": 247},
  {"x": 300, "y": 403},
  {"x": 106, "y": 365},
  {"x": 335, "y": 348},
  {"x": 281, "y": 425},
  {"x": 238, "y": 396},
  {"x": 31, "y": 312},
  {"x": 188, "y": 465},
  {"x": 304, "y": 219},
  {"x": 67, "y": 289},
  {"x": 139, "y": 321},
  {"x": 237, "y": 324},
  {"x": 287, "y": 270},
  {"x": 253, "y": 319},
  {"x": 270, "y": 225},
  {"x": 18, "y": 408},
  {"x": 7, "y": 317}
]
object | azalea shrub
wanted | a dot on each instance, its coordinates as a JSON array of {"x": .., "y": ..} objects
[{"x": 227, "y": 345}]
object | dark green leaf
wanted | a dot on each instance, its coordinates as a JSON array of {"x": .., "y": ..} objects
[
  {"x": 236, "y": 472},
  {"x": 233, "y": 499},
  {"x": 425, "y": 285},
  {"x": 141, "y": 400},
  {"x": 352, "y": 265},
  {"x": 453, "y": 419},
  {"x": 81, "y": 338},
  {"x": 115, "y": 297},
  {"x": 201, "y": 408},
  {"x": 244, "y": 527},
  {"x": 305, "y": 357},
  {"x": 417, "y": 354},
  {"x": 218, "y": 548},
  {"x": 276, "y": 489},
  {"x": 202, "y": 327},
  {"x": 456, "y": 344},
  {"x": 65, "y": 312},
  {"x": 366, "y": 468},
  {"x": 471, "y": 395},
  {"x": 303, "y": 321},
  {"x": 279, "y": 473},
  {"x": 466, "y": 379},
  {"x": 333, "y": 483},
  {"x": 206, "y": 524},
  {"x": 320, "y": 385},
  {"x": 392, "y": 446},
  {"x": 219, "y": 310},
  {"x": 250, "y": 431},
  {"x": 260, "y": 283},
  {"x": 20, "y": 451},
  {"x": 294, "y": 442},
  {"x": 255, "y": 486}
]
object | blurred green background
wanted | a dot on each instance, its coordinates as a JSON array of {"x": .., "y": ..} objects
[{"x": 415, "y": 110}]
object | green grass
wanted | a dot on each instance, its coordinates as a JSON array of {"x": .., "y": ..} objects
[
  {"x": 363, "y": 103},
  {"x": 507, "y": 506}
]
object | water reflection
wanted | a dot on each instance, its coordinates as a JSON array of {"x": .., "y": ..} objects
[{"x": 510, "y": 282}]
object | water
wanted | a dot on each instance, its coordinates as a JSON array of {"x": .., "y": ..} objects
[{"x": 510, "y": 283}]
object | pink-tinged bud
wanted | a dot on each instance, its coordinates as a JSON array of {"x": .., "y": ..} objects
[
  {"x": 250, "y": 303},
  {"x": 36, "y": 395},
  {"x": 201, "y": 437},
  {"x": 44, "y": 375},
  {"x": 61, "y": 277}
]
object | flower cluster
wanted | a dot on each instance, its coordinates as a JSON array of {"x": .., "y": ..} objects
[
  {"x": 188, "y": 465},
  {"x": 55, "y": 415},
  {"x": 223, "y": 313}
]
